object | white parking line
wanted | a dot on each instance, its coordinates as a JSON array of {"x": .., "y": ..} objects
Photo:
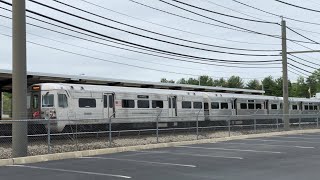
[
  {"x": 293, "y": 137},
  {"x": 192, "y": 155},
  {"x": 230, "y": 149},
  {"x": 271, "y": 140},
  {"x": 72, "y": 171},
  {"x": 148, "y": 162},
  {"x": 277, "y": 145}
]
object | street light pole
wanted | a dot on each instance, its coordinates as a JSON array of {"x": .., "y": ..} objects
[{"x": 19, "y": 80}]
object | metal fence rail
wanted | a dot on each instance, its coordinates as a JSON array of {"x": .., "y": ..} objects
[{"x": 103, "y": 133}]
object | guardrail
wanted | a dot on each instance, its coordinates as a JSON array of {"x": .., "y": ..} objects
[{"x": 102, "y": 133}]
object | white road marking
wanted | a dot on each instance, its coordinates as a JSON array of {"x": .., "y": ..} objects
[
  {"x": 230, "y": 149},
  {"x": 278, "y": 145},
  {"x": 193, "y": 155},
  {"x": 270, "y": 140},
  {"x": 72, "y": 171},
  {"x": 311, "y": 135},
  {"x": 293, "y": 137},
  {"x": 148, "y": 162}
]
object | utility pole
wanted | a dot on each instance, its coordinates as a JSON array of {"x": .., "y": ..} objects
[
  {"x": 285, "y": 76},
  {"x": 19, "y": 80}
]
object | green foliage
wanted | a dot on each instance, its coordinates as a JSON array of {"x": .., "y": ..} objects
[
  {"x": 235, "y": 82},
  {"x": 7, "y": 102},
  {"x": 254, "y": 84},
  {"x": 164, "y": 80}
]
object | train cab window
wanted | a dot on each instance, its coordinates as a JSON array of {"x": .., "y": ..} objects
[
  {"x": 87, "y": 103},
  {"x": 315, "y": 107},
  {"x": 127, "y": 103},
  {"x": 197, "y": 105},
  {"x": 143, "y": 104},
  {"x": 250, "y": 106},
  {"x": 224, "y": 106},
  {"x": 35, "y": 101},
  {"x": 294, "y": 107},
  {"x": 274, "y": 106},
  {"x": 186, "y": 104},
  {"x": 156, "y": 104},
  {"x": 310, "y": 107},
  {"x": 306, "y": 107},
  {"x": 258, "y": 106},
  {"x": 48, "y": 100},
  {"x": 215, "y": 105},
  {"x": 281, "y": 105},
  {"x": 111, "y": 101},
  {"x": 62, "y": 100},
  {"x": 243, "y": 105}
]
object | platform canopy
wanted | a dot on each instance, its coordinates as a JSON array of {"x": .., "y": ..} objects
[{"x": 38, "y": 77}]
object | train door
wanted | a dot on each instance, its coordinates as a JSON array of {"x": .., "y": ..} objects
[
  {"x": 206, "y": 110},
  {"x": 172, "y": 106},
  {"x": 108, "y": 105}
]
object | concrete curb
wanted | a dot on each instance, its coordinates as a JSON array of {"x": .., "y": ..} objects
[{"x": 78, "y": 154}]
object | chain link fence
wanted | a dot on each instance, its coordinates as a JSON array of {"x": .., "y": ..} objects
[{"x": 45, "y": 136}]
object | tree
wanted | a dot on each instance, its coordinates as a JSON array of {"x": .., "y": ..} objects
[
  {"x": 206, "y": 81},
  {"x": 254, "y": 84},
  {"x": 300, "y": 88},
  {"x": 235, "y": 82},
  {"x": 7, "y": 103},
  {"x": 220, "y": 82},
  {"x": 164, "y": 80},
  {"x": 268, "y": 85}
]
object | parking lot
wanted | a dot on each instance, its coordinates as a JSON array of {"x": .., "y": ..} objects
[{"x": 282, "y": 157}]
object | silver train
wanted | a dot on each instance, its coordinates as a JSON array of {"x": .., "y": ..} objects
[{"x": 69, "y": 104}]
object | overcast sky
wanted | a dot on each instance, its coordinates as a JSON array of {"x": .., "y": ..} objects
[{"x": 43, "y": 59}]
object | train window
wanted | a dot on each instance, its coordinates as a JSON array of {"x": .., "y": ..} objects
[
  {"x": 186, "y": 104},
  {"x": 274, "y": 106},
  {"x": 306, "y": 107},
  {"x": 315, "y": 107},
  {"x": 250, "y": 106},
  {"x": 35, "y": 103},
  {"x": 87, "y": 103},
  {"x": 224, "y": 106},
  {"x": 258, "y": 106},
  {"x": 197, "y": 105},
  {"x": 215, "y": 105},
  {"x": 111, "y": 101},
  {"x": 281, "y": 105},
  {"x": 156, "y": 104},
  {"x": 294, "y": 107},
  {"x": 243, "y": 105},
  {"x": 48, "y": 100},
  {"x": 310, "y": 107},
  {"x": 143, "y": 104},
  {"x": 127, "y": 103},
  {"x": 62, "y": 100}
]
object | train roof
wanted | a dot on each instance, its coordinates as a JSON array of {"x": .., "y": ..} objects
[{"x": 40, "y": 77}]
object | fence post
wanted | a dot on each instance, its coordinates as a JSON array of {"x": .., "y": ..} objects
[
  {"x": 277, "y": 121},
  {"x": 76, "y": 136},
  {"x": 255, "y": 125},
  {"x": 300, "y": 121},
  {"x": 229, "y": 126},
  {"x": 157, "y": 124},
  {"x": 110, "y": 132},
  {"x": 197, "y": 124},
  {"x": 48, "y": 134},
  {"x": 318, "y": 122}
]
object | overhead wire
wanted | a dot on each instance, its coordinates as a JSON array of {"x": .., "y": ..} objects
[
  {"x": 182, "y": 55},
  {"x": 161, "y": 34},
  {"x": 300, "y": 7},
  {"x": 173, "y": 28}
]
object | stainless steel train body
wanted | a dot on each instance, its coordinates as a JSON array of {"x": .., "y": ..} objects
[{"x": 94, "y": 104}]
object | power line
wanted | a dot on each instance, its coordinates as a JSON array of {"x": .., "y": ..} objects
[
  {"x": 182, "y": 60},
  {"x": 299, "y": 68},
  {"x": 289, "y": 4},
  {"x": 148, "y": 37},
  {"x": 222, "y": 14},
  {"x": 110, "y": 61},
  {"x": 297, "y": 73},
  {"x": 161, "y": 34},
  {"x": 154, "y": 49},
  {"x": 303, "y": 64},
  {"x": 103, "y": 52},
  {"x": 246, "y": 30},
  {"x": 302, "y": 35},
  {"x": 173, "y": 28},
  {"x": 304, "y": 60},
  {"x": 279, "y": 16}
]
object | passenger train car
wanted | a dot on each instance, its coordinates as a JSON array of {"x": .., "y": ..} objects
[{"x": 94, "y": 104}]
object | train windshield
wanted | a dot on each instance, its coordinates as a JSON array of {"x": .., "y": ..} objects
[
  {"x": 35, "y": 104},
  {"x": 48, "y": 100}
]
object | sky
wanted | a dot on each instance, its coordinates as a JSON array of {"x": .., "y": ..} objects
[{"x": 96, "y": 59}]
